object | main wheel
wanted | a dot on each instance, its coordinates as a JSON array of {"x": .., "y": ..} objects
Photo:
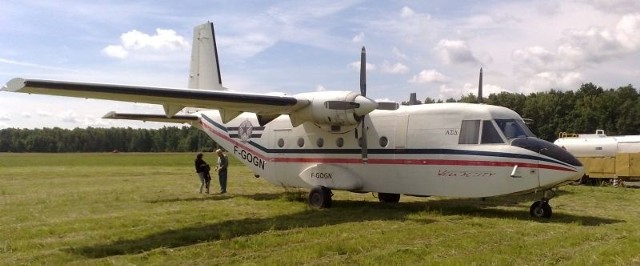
[
  {"x": 320, "y": 197},
  {"x": 388, "y": 197},
  {"x": 540, "y": 209}
]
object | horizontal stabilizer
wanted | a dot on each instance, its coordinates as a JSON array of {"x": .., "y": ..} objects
[{"x": 153, "y": 117}]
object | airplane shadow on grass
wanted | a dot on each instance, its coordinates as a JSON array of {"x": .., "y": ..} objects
[{"x": 342, "y": 211}]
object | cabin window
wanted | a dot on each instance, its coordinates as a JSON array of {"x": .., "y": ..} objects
[
  {"x": 512, "y": 128},
  {"x": 384, "y": 141},
  {"x": 489, "y": 133},
  {"x": 300, "y": 142},
  {"x": 320, "y": 142},
  {"x": 469, "y": 132},
  {"x": 340, "y": 142},
  {"x": 280, "y": 142}
]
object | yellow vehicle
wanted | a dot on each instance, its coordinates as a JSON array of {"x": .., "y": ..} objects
[{"x": 604, "y": 157}]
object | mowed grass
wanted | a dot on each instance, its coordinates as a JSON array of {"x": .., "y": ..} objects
[{"x": 145, "y": 209}]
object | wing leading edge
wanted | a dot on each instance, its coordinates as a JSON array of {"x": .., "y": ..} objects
[{"x": 231, "y": 103}]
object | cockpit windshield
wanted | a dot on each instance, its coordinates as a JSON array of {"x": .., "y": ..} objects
[{"x": 513, "y": 128}]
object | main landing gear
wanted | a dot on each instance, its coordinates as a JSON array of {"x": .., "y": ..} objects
[
  {"x": 541, "y": 208},
  {"x": 320, "y": 197}
]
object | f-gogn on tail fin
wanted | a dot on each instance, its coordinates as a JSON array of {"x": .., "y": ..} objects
[{"x": 205, "y": 70}]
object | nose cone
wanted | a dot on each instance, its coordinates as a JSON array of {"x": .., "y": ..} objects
[
  {"x": 366, "y": 105},
  {"x": 560, "y": 166}
]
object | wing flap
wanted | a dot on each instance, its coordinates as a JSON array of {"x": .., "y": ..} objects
[
  {"x": 181, "y": 119},
  {"x": 242, "y": 102}
]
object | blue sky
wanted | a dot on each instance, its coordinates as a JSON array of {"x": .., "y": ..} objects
[{"x": 433, "y": 48}]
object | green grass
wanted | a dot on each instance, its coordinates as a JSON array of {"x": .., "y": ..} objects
[{"x": 145, "y": 209}]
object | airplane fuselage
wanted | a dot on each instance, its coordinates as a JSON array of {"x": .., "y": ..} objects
[{"x": 453, "y": 149}]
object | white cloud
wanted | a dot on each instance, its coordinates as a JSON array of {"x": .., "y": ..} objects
[
  {"x": 246, "y": 45},
  {"x": 553, "y": 80},
  {"x": 26, "y": 114},
  {"x": 116, "y": 51},
  {"x": 397, "y": 68},
  {"x": 618, "y": 6},
  {"x": 91, "y": 121},
  {"x": 138, "y": 42},
  {"x": 455, "y": 52},
  {"x": 487, "y": 89},
  {"x": 561, "y": 68},
  {"x": 407, "y": 12},
  {"x": 69, "y": 117},
  {"x": 398, "y": 54},
  {"x": 320, "y": 88},
  {"x": 356, "y": 66},
  {"x": 42, "y": 113},
  {"x": 4, "y": 116},
  {"x": 358, "y": 38},
  {"x": 429, "y": 76}
]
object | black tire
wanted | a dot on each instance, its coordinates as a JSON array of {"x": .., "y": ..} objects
[
  {"x": 320, "y": 197},
  {"x": 388, "y": 197},
  {"x": 540, "y": 209}
]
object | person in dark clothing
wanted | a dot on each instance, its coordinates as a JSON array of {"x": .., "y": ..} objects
[
  {"x": 202, "y": 168},
  {"x": 223, "y": 163}
]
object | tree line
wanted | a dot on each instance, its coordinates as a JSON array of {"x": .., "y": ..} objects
[
  {"x": 591, "y": 107},
  {"x": 617, "y": 111},
  {"x": 166, "y": 139}
]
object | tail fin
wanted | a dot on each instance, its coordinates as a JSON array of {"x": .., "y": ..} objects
[{"x": 205, "y": 70}]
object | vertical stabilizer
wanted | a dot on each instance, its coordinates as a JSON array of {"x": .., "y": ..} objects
[{"x": 205, "y": 70}]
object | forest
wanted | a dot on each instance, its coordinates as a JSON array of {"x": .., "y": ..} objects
[
  {"x": 166, "y": 139},
  {"x": 591, "y": 107}
]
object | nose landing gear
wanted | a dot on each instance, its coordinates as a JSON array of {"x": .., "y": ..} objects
[{"x": 541, "y": 208}]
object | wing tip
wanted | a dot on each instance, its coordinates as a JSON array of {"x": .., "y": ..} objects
[{"x": 14, "y": 85}]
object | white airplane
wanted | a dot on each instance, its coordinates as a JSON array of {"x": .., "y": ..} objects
[{"x": 342, "y": 140}]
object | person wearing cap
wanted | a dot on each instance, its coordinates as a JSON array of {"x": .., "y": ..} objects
[{"x": 223, "y": 163}]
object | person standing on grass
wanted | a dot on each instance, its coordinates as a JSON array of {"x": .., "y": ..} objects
[
  {"x": 223, "y": 163},
  {"x": 202, "y": 168}
]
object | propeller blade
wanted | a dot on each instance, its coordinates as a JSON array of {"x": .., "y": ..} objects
[
  {"x": 363, "y": 72},
  {"x": 363, "y": 93},
  {"x": 388, "y": 106},
  {"x": 365, "y": 155},
  {"x": 341, "y": 105}
]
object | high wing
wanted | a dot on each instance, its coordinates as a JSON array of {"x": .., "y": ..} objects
[
  {"x": 331, "y": 109},
  {"x": 173, "y": 99}
]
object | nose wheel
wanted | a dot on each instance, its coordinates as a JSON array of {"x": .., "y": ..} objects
[{"x": 541, "y": 208}]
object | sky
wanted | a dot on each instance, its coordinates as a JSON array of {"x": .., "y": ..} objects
[{"x": 433, "y": 48}]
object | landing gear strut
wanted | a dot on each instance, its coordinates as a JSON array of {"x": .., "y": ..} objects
[
  {"x": 320, "y": 197},
  {"x": 541, "y": 208}
]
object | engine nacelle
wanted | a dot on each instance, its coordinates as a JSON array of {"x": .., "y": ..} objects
[{"x": 319, "y": 113}]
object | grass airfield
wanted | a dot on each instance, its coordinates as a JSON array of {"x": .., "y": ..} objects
[{"x": 88, "y": 209}]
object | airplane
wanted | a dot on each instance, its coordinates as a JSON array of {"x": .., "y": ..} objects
[{"x": 343, "y": 140}]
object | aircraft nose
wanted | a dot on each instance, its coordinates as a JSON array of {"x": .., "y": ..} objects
[{"x": 548, "y": 149}]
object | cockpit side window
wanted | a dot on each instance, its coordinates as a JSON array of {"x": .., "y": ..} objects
[
  {"x": 469, "y": 132},
  {"x": 512, "y": 128},
  {"x": 489, "y": 133}
]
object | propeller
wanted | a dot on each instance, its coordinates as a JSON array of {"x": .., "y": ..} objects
[
  {"x": 363, "y": 92},
  {"x": 362, "y": 105}
]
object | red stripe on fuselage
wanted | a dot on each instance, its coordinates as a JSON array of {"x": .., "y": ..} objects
[{"x": 260, "y": 155}]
